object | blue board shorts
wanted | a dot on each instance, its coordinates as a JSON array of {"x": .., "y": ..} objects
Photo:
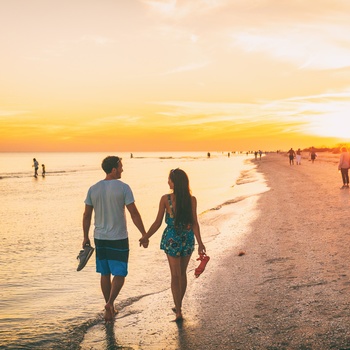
[{"x": 112, "y": 257}]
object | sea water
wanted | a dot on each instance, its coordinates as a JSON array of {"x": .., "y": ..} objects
[{"x": 45, "y": 303}]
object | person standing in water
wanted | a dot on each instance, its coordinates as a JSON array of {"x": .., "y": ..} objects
[
  {"x": 108, "y": 198},
  {"x": 36, "y": 167},
  {"x": 43, "y": 171},
  {"x": 180, "y": 210}
]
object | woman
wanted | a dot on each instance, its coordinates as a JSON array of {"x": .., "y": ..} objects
[
  {"x": 298, "y": 156},
  {"x": 180, "y": 209},
  {"x": 343, "y": 166}
]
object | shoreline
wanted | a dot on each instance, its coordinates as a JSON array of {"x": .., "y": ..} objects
[
  {"x": 289, "y": 290},
  {"x": 148, "y": 322}
]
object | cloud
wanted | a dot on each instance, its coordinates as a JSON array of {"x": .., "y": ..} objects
[
  {"x": 61, "y": 48},
  {"x": 182, "y": 8},
  {"x": 4, "y": 113},
  {"x": 97, "y": 40},
  {"x": 123, "y": 119},
  {"x": 322, "y": 115},
  {"x": 316, "y": 46},
  {"x": 188, "y": 67}
]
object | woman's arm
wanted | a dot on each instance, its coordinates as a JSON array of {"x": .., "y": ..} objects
[
  {"x": 158, "y": 221},
  {"x": 195, "y": 227}
]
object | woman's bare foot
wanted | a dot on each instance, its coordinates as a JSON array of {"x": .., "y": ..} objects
[{"x": 109, "y": 313}]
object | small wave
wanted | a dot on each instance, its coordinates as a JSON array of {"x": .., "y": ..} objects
[
  {"x": 129, "y": 301},
  {"x": 231, "y": 201},
  {"x": 246, "y": 176},
  {"x": 26, "y": 175},
  {"x": 170, "y": 157},
  {"x": 69, "y": 339}
]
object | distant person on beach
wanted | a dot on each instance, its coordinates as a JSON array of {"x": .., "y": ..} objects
[
  {"x": 43, "y": 171},
  {"x": 298, "y": 156},
  {"x": 343, "y": 166},
  {"x": 291, "y": 154},
  {"x": 313, "y": 154},
  {"x": 180, "y": 210},
  {"x": 36, "y": 167},
  {"x": 108, "y": 198}
]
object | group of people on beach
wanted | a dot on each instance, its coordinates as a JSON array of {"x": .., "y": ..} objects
[
  {"x": 297, "y": 155},
  {"x": 343, "y": 165},
  {"x": 108, "y": 199},
  {"x": 36, "y": 168}
]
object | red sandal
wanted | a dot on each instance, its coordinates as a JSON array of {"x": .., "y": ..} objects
[{"x": 203, "y": 262}]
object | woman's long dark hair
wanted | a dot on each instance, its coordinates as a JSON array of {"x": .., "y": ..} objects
[{"x": 182, "y": 192}]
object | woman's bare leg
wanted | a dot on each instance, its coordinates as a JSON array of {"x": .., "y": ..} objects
[{"x": 178, "y": 269}]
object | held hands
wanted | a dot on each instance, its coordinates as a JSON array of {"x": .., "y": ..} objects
[{"x": 144, "y": 242}]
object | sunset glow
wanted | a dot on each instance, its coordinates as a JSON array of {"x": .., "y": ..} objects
[{"x": 159, "y": 75}]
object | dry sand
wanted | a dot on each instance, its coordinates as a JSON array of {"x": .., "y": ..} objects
[{"x": 291, "y": 290}]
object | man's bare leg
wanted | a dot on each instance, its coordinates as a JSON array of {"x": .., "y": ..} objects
[
  {"x": 110, "y": 291},
  {"x": 106, "y": 286}
]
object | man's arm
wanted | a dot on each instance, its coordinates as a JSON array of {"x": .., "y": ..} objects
[
  {"x": 86, "y": 223},
  {"x": 136, "y": 218}
]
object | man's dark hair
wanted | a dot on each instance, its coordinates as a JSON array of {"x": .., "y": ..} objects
[{"x": 109, "y": 163}]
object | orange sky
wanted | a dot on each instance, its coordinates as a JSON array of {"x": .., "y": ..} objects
[{"x": 196, "y": 75}]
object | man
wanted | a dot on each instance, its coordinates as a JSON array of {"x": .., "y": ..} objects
[
  {"x": 36, "y": 167},
  {"x": 291, "y": 153},
  {"x": 108, "y": 198}
]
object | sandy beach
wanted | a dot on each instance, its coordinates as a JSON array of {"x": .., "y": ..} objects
[{"x": 291, "y": 290}]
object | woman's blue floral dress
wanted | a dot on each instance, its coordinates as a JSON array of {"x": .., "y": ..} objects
[{"x": 176, "y": 241}]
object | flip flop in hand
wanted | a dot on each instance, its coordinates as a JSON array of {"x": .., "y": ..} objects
[{"x": 203, "y": 258}]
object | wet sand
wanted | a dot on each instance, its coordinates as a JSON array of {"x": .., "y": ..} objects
[{"x": 291, "y": 290}]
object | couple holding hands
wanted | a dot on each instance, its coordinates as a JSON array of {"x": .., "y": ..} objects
[{"x": 108, "y": 199}]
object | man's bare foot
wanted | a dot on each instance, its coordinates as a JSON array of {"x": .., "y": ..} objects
[
  {"x": 178, "y": 318},
  {"x": 109, "y": 313}
]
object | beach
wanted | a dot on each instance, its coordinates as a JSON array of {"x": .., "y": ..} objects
[
  {"x": 45, "y": 302},
  {"x": 277, "y": 236},
  {"x": 291, "y": 289},
  {"x": 282, "y": 282}
]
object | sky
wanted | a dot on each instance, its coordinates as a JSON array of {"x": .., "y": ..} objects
[{"x": 174, "y": 75}]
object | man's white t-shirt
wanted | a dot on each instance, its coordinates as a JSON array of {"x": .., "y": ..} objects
[{"x": 109, "y": 198}]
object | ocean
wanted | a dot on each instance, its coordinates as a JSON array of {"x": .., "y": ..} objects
[{"x": 45, "y": 303}]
